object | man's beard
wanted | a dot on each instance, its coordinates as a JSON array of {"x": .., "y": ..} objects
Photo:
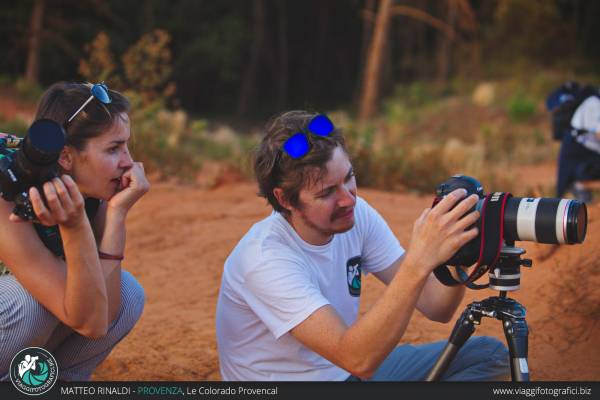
[{"x": 321, "y": 230}]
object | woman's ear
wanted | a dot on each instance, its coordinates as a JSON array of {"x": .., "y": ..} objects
[{"x": 65, "y": 160}]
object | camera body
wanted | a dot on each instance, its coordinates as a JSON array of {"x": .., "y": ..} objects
[
  {"x": 542, "y": 220},
  {"x": 28, "y": 162},
  {"x": 468, "y": 254}
]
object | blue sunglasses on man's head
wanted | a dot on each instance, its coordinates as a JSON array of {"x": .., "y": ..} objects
[
  {"x": 297, "y": 145},
  {"x": 98, "y": 91}
]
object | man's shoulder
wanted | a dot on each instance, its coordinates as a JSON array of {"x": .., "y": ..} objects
[
  {"x": 361, "y": 203},
  {"x": 265, "y": 239},
  {"x": 363, "y": 211},
  {"x": 269, "y": 232}
]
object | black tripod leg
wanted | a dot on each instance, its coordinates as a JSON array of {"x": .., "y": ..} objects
[
  {"x": 516, "y": 332},
  {"x": 462, "y": 331}
]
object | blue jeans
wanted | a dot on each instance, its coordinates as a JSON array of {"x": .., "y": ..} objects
[
  {"x": 575, "y": 163},
  {"x": 481, "y": 358}
]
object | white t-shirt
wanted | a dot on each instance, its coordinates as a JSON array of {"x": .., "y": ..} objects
[
  {"x": 273, "y": 280},
  {"x": 587, "y": 117}
]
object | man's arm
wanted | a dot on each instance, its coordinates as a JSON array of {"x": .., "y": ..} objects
[
  {"x": 437, "y": 302},
  {"x": 360, "y": 348}
]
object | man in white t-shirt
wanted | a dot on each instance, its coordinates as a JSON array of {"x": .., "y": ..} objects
[
  {"x": 579, "y": 158},
  {"x": 290, "y": 292}
]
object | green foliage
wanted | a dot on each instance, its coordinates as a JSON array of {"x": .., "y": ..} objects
[
  {"x": 13, "y": 126},
  {"x": 385, "y": 158},
  {"x": 100, "y": 65},
  {"x": 418, "y": 94},
  {"x": 147, "y": 65},
  {"x": 27, "y": 90},
  {"x": 5, "y": 79},
  {"x": 520, "y": 108},
  {"x": 407, "y": 102},
  {"x": 156, "y": 140},
  {"x": 172, "y": 145},
  {"x": 220, "y": 48},
  {"x": 539, "y": 137},
  {"x": 532, "y": 30}
]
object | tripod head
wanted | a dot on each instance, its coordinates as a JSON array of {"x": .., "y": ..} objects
[{"x": 506, "y": 273}]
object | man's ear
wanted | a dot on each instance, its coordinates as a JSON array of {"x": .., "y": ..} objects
[
  {"x": 65, "y": 160},
  {"x": 281, "y": 199}
]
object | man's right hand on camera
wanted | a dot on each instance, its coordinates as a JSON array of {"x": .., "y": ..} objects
[
  {"x": 441, "y": 231},
  {"x": 64, "y": 203}
]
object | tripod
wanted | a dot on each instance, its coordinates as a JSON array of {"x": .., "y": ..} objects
[{"x": 505, "y": 277}]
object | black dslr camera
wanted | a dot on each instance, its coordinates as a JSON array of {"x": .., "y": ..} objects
[
  {"x": 28, "y": 162},
  {"x": 506, "y": 219}
]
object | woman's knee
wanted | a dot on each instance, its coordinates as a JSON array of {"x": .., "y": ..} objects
[{"x": 23, "y": 321}]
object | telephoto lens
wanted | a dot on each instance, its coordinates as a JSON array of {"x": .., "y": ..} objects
[
  {"x": 545, "y": 220},
  {"x": 36, "y": 162},
  {"x": 33, "y": 163}
]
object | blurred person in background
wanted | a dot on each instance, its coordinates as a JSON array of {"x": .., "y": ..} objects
[{"x": 576, "y": 121}]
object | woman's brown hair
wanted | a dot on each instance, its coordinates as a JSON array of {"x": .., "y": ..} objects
[{"x": 62, "y": 99}]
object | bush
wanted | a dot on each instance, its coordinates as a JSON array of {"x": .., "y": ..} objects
[
  {"x": 384, "y": 157},
  {"x": 172, "y": 145},
  {"x": 100, "y": 65},
  {"x": 27, "y": 90},
  {"x": 14, "y": 126},
  {"x": 520, "y": 108}
]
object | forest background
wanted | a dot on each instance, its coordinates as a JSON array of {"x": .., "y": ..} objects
[{"x": 423, "y": 88}]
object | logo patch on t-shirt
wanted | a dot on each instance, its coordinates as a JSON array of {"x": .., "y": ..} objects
[{"x": 353, "y": 274}]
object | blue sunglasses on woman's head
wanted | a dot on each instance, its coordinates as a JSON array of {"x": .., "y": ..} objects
[
  {"x": 297, "y": 145},
  {"x": 98, "y": 91}
]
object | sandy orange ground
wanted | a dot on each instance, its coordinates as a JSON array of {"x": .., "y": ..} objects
[{"x": 179, "y": 237}]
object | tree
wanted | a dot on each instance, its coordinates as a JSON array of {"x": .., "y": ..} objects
[
  {"x": 459, "y": 12},
  {"x": 249, "y": 81},
  {"x": 282, "y": 81},
  {"x": 34, "y": 44},
  {"x": 371, "y": 76}
]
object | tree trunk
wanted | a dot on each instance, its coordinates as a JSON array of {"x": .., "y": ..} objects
[
  {"x": 282, "y": 78},
  {"x": 258, "y": 35},
  {"x": 367, "y": 17},
  {"x": 33, "y": 47},
  {"x": 322, "y": 49},
  {"x": 444, "y": 50},
  {"x": 147, "y": 16},
  {"x": 372, "y": 72}
]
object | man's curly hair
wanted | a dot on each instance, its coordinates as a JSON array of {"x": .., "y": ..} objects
[{"x": 273, "y": 167}]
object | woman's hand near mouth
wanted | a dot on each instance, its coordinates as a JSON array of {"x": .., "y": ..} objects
[{"x": 132, "y": 186}]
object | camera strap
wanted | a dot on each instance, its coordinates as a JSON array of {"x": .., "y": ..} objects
[
  {"x": 492, "y": 238},
  {"x": 50, "y": 235}
]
